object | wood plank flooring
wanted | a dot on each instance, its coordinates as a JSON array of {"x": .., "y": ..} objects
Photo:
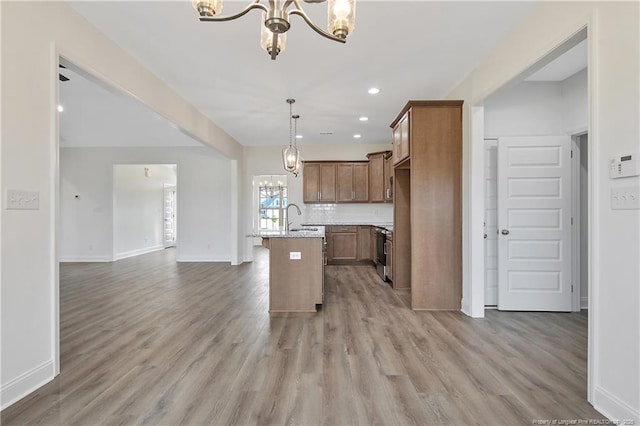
[{"x": 146, "y": 340}]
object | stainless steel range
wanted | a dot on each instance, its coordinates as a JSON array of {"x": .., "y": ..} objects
[{"x": 381, "y": 253}]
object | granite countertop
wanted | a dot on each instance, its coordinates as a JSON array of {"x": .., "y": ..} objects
[
  {"x": 384, "y": 225},
  {"x": 305, "y": 231}
]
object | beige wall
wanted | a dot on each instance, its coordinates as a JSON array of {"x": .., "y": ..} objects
[
  {"x": 614, "y": 357},
  {"x": 33, "y": 34}
]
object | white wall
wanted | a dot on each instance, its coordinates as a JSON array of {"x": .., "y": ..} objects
[
  {"x": 91, "y": 202},
  {"x": 539, "y": 108},
  {"x": 138, "y": 207},
  {"x": 204, "y": 191},
  {"x": 575, "y": 103},
  {"x": 614, "y": 326},
  {"x": 268, "y": 161},
  {"x": 33, "y": 34},
  {"x": 529, "y": 108}
]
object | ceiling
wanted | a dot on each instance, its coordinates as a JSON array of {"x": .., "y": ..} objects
[
  {"x": 563, "y": 67},
  {"x": 408, "y": 49},
  {"x": 96, "y": 116}
]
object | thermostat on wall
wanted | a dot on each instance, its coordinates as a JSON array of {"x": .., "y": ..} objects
[{"x": 626, "y": 165}]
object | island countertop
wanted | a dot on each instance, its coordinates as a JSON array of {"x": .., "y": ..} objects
[
  {"x": 383, "y": 225},
  {"x": 295, "y": 232}
]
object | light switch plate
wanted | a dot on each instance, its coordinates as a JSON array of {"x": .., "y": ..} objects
[
  {"x": 625, "y": 198},
  {"x": 295, "y": 255},
  {"x": 22, "y": 200}
]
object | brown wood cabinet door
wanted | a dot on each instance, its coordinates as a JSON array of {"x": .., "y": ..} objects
[
  {"x": 361, "y": 182},
  {"x": 405, "y": 144},
  {"x": 329, "y": 241},
  {"x": 344, "y": 246},
  {"x": 396, "y": 137},
  {"x": 372, "y": 244},
  {"x": 327, "y": 183},
  {"x": 345, "y": 183},
  {"x": 311, "y": 183},
  {"x": 364, "y": 243},
  {"x": 377, "y": 178},
  {"x": 388, "y": 179}
]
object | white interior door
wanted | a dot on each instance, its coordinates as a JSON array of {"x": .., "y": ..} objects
[
  {"x": 534, "y": 223},
  {"x": 169, "y": 216},
  {"x": 491, "y": 222}
]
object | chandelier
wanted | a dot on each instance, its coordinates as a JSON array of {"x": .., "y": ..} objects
[
  {"x": 275, "y": 19},
  {"x": 291, "y": 157}
]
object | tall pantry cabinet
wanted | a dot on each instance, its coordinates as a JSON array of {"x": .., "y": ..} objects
[{"x": 427, "y": 158}]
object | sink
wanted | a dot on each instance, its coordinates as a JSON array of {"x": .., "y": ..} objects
[{"x": 302, "y": 229}]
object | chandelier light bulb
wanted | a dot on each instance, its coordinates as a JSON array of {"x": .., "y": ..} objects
[
  {"x": 275, "y": 19},
  {"x": 341, "y": 9},
  {"x": 341, "y": 17},
  {"x": 207, "y": 7}
]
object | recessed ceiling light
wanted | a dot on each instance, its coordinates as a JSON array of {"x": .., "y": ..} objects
[
  {"x": 374, "y": 91},
  {"x": 364, "y": 118},
  {"x": 298, "y": 136},
  {"x": 60, "y": 108},
  {"x": 357, "y": 136}
]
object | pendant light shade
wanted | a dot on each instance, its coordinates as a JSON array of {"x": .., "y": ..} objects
[
  {"x": 207, "y": 7},
  {"x": 298, "y": 168},
  {"x": 290, "y": 154},
  {"x": 341, "y": 17},
  {"x": 266, "y": 38}
]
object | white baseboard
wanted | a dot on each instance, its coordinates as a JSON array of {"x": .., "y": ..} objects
[
  {"x": 584, "y": 303},
  {"x": 613, "y": 407},
  {"x": 86, "y": 259},
  {"x": 138, "y": 252},
  {"x": 26, "y": 383},
  {"x": 202, "y": 259}
]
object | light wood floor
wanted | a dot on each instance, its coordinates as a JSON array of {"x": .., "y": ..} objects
[{"x": 148, "y": 341}]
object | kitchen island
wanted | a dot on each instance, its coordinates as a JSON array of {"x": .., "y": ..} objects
[{"x": 296, "y": 269}]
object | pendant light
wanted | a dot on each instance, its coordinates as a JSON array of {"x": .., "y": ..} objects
[
  {"x": 290, "y": 154},
  {"x": 298, "y": 168}
]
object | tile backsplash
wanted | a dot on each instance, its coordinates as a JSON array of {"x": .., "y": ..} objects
[{"x": 356, "y": 213}]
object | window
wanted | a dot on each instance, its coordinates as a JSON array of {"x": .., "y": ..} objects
[{"x": 272, "y": 205}]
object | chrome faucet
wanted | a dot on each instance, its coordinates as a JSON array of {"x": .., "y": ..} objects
[{"x": 286, "y": 228}]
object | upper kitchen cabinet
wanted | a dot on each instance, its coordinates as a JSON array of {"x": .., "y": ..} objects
[
  {"x": 401, "y": 138},
  {"x": 427, "y": 228},
  {"x": 378, "y": 188},
  {"x": 353, "y": 182},
  {"x": 388, "y": 177},
  {"x": 319, "y": 182}
]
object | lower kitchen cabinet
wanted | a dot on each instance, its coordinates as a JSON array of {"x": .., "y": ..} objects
[
  {"x": 373, "y": 242},
  {"x": 364, "y": 242},
  {"x": 342, "y": 244},
  {"x": 347, "y": 244}
]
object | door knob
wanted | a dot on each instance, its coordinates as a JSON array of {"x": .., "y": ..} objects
[{"x": 505, "y": 232}]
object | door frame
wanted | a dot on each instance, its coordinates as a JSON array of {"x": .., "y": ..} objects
[
  {"x": 490, "y": 142},
  {"x": 473, "y": 204},
  {"x": 576, "y": 302}
]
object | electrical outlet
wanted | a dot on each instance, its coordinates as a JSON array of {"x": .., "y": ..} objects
[
  {"x": 22, "y": 200},
  {"x": 627, "y": 198},
  {"x": 295, "y": 255}
]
